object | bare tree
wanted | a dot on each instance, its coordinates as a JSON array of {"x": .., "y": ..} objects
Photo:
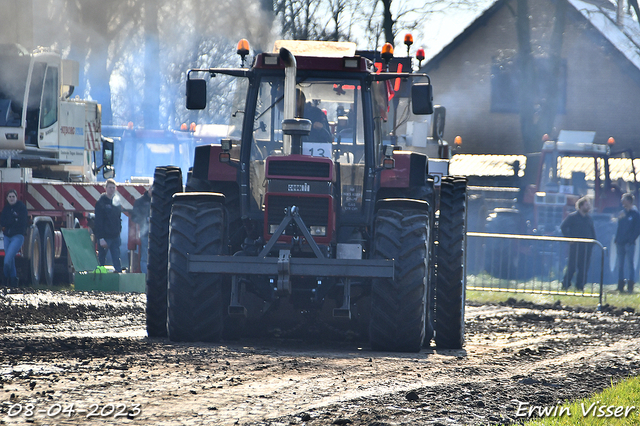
[
  {"x": 135, "y": 52},
  {"x": 94, "y": 26},
  {"x": 385, "y": 19},
  {"x": 151, "y": 100},
  {"x": 538, "y": 108},
  {"x": 207, "y": 39},
  {"x": 315, "y": 20}
]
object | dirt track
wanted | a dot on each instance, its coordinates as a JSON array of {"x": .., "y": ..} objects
[{"x": 90, "y": 352}]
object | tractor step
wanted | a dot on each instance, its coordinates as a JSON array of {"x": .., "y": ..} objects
[
  {"x": 342, "y": 313},
  {"x": 237, "y": 311}
]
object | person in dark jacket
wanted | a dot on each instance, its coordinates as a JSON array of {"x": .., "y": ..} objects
[
  {"x": 578, "y": 224},
  {"x": 14, "y": 221},
  {"x": 108, "y": 225},
  {"x": 140, "y": 215},
  {"x": 320, "y": 130},
  {"x": 626, "y": 235}
]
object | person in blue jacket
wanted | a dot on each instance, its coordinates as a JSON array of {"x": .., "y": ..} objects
[
  {"x": 14, "y": 221},
  {"x": 626, "y": 235}
]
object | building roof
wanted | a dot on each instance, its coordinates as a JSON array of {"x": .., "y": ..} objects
[{"x": 600, "y": 13}]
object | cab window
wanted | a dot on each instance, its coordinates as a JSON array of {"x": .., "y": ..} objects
[{"x": 49, "y": 110}]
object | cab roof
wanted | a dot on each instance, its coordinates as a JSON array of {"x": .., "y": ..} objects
[{"x": 325, "y": 49}]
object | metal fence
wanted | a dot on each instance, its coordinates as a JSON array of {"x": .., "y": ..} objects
[{"x": 535, "y": 264}]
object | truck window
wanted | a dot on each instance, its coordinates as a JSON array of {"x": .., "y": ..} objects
[
  {"x": 49, "y": 109},
  {"x": 33, "y": 103},
  {"x": 13, "y": 83}
]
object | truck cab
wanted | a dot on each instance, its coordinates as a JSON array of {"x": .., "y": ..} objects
[{"x": 41, "y": 126}]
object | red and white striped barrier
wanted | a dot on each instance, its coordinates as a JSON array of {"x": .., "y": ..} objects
[{"x": 78, "y": 197}]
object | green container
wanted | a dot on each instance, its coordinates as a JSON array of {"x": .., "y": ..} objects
[
  {"x": 96, "y": 281},
  {"x": 89, "y": 276}
]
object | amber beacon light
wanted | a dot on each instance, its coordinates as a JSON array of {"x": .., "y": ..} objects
[{"x": 243, "y": 49}]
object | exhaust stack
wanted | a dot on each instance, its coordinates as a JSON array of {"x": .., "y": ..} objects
[{"x": 293, "y": 128}]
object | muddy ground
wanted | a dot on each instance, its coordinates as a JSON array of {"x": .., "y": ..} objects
[{"x": 75, "y": 358}]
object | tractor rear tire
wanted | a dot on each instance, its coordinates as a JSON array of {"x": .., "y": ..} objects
[
  {"x": 195, "y": 301},
  {"x": 48, "y": 255},
  {"x": 35, "y": 257},
  {"x": 431, "y": 198},
  {"x": 232, "y": 204},
  {"x": 450, "y": 280},
  {"x": 398, "y": 306},
  {"x": 167, "y": 181}
]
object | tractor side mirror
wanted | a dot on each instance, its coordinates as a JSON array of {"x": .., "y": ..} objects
[
  {"x": 422, "y": 98},
  {"x": 107, "y": 151},
  {"x": 107, "y": 158},
  {"x": 196, "y": 93}
]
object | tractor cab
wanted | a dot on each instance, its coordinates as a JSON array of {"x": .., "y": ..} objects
[{"x": 330, "y": 171}]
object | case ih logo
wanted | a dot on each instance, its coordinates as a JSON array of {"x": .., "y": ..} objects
[{"x": 298, "y": 187}]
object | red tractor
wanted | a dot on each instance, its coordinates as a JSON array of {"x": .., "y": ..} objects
[{"x": 309, "y": 217}]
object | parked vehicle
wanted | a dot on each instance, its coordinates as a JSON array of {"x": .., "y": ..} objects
[
  {"x": 567, "y": 171},
  {"x": 48, "y": 147}
]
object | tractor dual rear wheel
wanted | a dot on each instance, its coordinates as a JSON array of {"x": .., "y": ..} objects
[
  {"x": 398, "y": 306},
  {"x": 195, "y": 301},
  {"x": 430, "y": 196},
  {"x": 450, "y": 278},
  {"x": 48, "y": 255},
  {"x": 167, "y": 182},
  {"x": 35, "y": 256}
]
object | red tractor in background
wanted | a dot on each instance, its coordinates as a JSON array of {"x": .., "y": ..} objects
[{"x": 295, "y": 223}]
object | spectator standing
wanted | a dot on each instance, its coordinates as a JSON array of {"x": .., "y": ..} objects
[
  {"x": 14, "y": 220},
  {"x": 626, "y": 235},
  {"x": 108, "y": 225},
  {"x": 140, "y": 215},
  {"x": 578, "y": 224}
]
